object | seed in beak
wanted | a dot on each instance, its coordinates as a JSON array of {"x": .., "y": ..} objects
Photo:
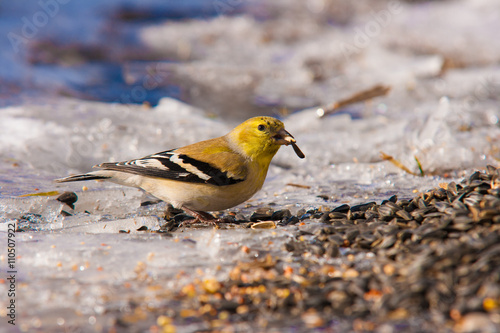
[
  {"x": 297, "y": 150},
  {"x": 285, "y": 138}
]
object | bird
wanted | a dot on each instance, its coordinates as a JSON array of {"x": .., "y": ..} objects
[{"x": 211, "y": 175}]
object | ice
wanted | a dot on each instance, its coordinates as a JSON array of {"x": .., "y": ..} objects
[
  {"x": 39, "y": 213},
  {"x": 82, "y": 135},
  {"x": 131, "y": 225},
  {"x": 472, "y": 41},
  {"x": 100, "y": 273},
  {"x": 113, "y": 201},
  {"x": 307, "y": 65},
  {"x": 45, "y": 213}
]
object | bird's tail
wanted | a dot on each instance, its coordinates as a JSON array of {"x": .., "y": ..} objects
[{"x": 76, "y": 178}]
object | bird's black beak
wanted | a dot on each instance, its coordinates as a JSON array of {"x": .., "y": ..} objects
[{"x": 285, "y": 138}]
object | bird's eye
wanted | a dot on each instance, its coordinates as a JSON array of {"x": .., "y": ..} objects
[{"x": 261, "y": 127}]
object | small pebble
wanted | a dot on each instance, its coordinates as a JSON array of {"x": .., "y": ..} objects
[{"x": 69, "y": 198}]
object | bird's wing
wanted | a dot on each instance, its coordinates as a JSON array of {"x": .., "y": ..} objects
[{"x": 199, "y": 163}]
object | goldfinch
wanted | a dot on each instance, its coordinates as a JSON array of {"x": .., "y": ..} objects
[{"x": 210, "y": 175}]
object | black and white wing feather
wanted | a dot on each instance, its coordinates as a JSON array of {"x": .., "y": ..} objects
[{"x": 175, "y": 166}]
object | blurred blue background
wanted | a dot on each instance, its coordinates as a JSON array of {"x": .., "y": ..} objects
[{"x": 79, "y": 48}]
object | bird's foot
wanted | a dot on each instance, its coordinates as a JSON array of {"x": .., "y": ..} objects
[{"x": 200, "y": 216}]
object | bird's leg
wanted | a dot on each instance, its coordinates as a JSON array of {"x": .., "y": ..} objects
[{"x": 201, "y": 217}]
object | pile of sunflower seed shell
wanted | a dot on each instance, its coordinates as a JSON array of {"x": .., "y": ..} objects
[
  {"x": 437, "y": 254},
  {"x": 425, "y": 264}
]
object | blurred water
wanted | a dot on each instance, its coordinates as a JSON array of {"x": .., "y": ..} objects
[{"x": 56, "y": 47}]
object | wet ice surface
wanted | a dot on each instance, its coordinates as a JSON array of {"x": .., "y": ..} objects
[
  {"x": 97, "y": 274},
  {"x": 443, "y": 109}
]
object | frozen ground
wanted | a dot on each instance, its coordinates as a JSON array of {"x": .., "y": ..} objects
[{"x": 439, "y": 58}]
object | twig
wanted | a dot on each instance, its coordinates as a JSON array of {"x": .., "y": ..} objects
[
  {"x": 299, "y": 185},
  {"x": 41, "y": 194},
  {"x": 378, "y": 90},
  {"x": 400, "y": 165}
]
